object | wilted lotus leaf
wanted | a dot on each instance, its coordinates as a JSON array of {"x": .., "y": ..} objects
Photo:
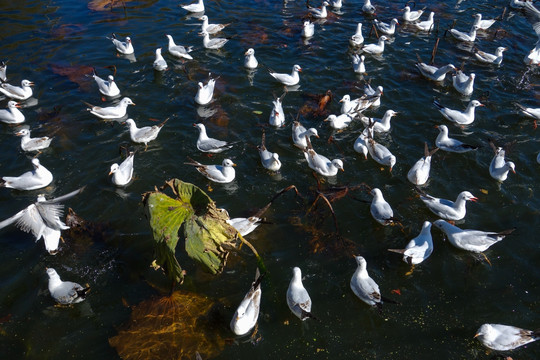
[
  {"x": 206, "y": 232},
  {"x": 171, "y": 327},
  {"x": 109, "y": 5},
  {"x": 75, "y": 73}
]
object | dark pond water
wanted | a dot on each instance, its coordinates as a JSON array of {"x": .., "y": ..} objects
[{"x": 443, "y": 302}]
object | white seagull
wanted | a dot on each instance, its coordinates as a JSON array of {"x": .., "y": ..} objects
[
  {"x": 375, "y": 49},
  {"x": 387, "y": 29},
  {"x": 432, "y": 72},
  {"x": 357, "y": 39},
  {"x": 360, "y": 104},
  {"x": 340, "y": 122},
  {"x": 247, "y": 313},
  {"x": 65, "y": 292},
  {"x": 505, "y": 337},
  {"x": 122, "y": 47},
  {"x": 211, "y": 28},
  {"x": 3, "y": 69},
  {"x": 462, "y": 36},
  {"x": 462, "y": 118},
  {"x": 145, "y": 134},
  {"x": 419, "y": 173},
  {"x": 483, "y": 24},
  {"x": 277, "y": 115},
  {"x": 308, "y": 29},
  {"x": 214, "y": 43},
  {"x": 411, "y": 16},
  {"x": 208, "y": 144},
  {"x": 20, "y": 93},
  {"x": 321, "y": 164},
  {"x": 178, "y": 50},
  {"x": 299, "y": 134},
  {"x": 250, "y": 61},
  {"x": 117, "y": 111},
  {"x": 223, "y": 173},
  {"x": 205, "y": 92},
  {"x": 445, "y": 143},
  {"x": 462, "y": 83},
  {"x": 358, "y": 64},
  {"x": 364, "y": 286},
  {"x": 533, "y": 57},
  {"x": 470, "y": 240},
  {"x": 269, "y": 160},
  {"x": 38, "y": 178},
  {"x": 447, "y": 209},
  {"x": 194, "y": 7},
  {"x": 488, "y": 58},
  {"x": 426, "y": 25},
  {"x": 159, "y": 63},
  {"x": 286, "y": 79},
  {"x": 297, "y": 296},
  {"x": 380, "y": 209},
  {"x": 380, "y": 153},
  {"x": 499, "y": 167},
  {"x": 419, "y": 248},
  {"x": 33, "y": 144},
  {"x": 379, "y": 125},
  {"x": 360, "y": 144},
  {"x": 370, "y": 93},
  {"x": 123, "y": 173},
  {"x": 106, "y": 87},
  {"x": 368, "y": 8},
  {"x": 12, "y": 115},
  {"x": 319, "y": 13},
  {"x": 533, "y": 113}
]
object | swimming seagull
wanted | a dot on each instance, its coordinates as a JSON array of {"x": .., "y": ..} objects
[
  {"x": 250, "y": 62},
  {"x": 380, "y": 153},
  {"x": 299, "y": 134},
  {"x": 277, "y": 115},
  {"x": 144, "y": 134},
  {"x": 42, "y": 219},
  {"x": 321, "y": 164},
  {"x": 247, "y": 313},
  {"x": 462, "y": 36},
  {"x": 319, "y": 13},
  {"x": 179, "y": 51},
  {"x": 214, "y": 43},
  {"x": 308, "y": 29},
  {"x": 368, "y": 8},
  {"x": 33, "y": 144},
  {"x": 286, "y": 79},
  {"x": 462, "y": 118},
  {"x": 340, "y": 122},
  {"x": 20, "y": 93},
  {"x": 211, "y": 28},
  {"x": 379, "y": 125},
  {"x": 470, "y": 240},
  {"x": 499, "y": 167},
  {"x": 269, "y": 159},
  {"x": 445, "y": 143},
  {"x": 358, "y": 64},
  {"x": 205, "y": 92},
  {"x": 65, "y": 292},
  {"x": 530, "y": 112},
  {"x": 122, "y": 47},
  {"x": 462, "y": 83},
  {"x": 360, "y": 104},
  {"x": 370, "y": 93},
  {"x": 159, "y": 63},
  {"x": 223, "y": 173},
  {"x": 419, "y": 248},
  {"x": 3, "y": 69},
  {"x": 505, "y": 337},
  {"x": 360, "y": 144},
  {"x": 123, "y": 173},
  {"x": 106, "y": 87},
  {"x": 12, "y": 115},
  {"x": 411, "y": 16},
  {"x": 432, "y": 72},
  {"x": 483, "y": 24},
  {"x": 533, "y": 57},
  {"x": 364, "y": 286},
  {"x": 446, "y": 209},
  {"x": 380, "y": 209},
  {"x": 488, "y": 58},
  {"x": 298, "y": 298},
  {"x": 357, "y": 39},
  {"x": 208, "y": 144},
  {"x": 426, "y": 25},
  {"x": 387, "y": 29},
  {"x": 419, "y": 173},
  {"x": 195, "y": 7},
  {"x": 375, "y": 49},
  {"x": 38, "y": 178},
  {"x": 111, "y": 112}
]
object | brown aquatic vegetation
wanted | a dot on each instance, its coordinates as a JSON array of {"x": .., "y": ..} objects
[{"x": 75, "y": 73}]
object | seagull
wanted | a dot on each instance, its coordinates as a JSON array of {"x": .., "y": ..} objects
[
  {"x": 387, "y": 29},
  {"x": 471, "y": 240},
  {"x": 533, "y": 57},
  {"x": 244, "y": 226},
  {"x": 360, "y": 144},
  {"x": 12, "y": 115},
  {"x": 297, "y": 296},
  {"x": 106, "y": 87},
  {"x": 321, "y": 164},
  {"x": 247, "y": 313},
  {"x": 178, "y": 50},
  {"x": 380, "y": 153},
  {"x": 446, "y": 209},
  {"x": 340, "y": 122},
  {"x": 33, "y": 144},
  {"x": 426, "y": 25},
  {"x": 319, "y": 13},
  {"x": 286, "y": 79},
  {"x": 211, "y": 28},
  {"x": 223, "y": 173},
  {"x": 337, "y": 4},
  {"x": 462, "y": 118},
  {"x": 364, "y": 286},
  {"x": 159, "y": 64},
  {"x": 369, "y": 93},
  {"x": 42, "y": 219},
  {"x": 358, "y": 64},
  {"x": 195, "y": 7},
  {"x": 505, "y": 337},
  {"x": 213, "y": 44},
  {"x": 38, "y": 178},
  {"x": 65, "y": 292},
  {"x": 533, "y": 16},
  {"x": 20, "y": 93},
  {"x": 299, "y": 134},
  {"x": 518, "y": 4},
  {"x": 308, "y": 29},
  {"x": 375, "y": 49},
  {"x": 125, "y": 48},
  {"x": 269, "y": 160},
  {"x": 208, "y": 144},
  {"x": 419, "y": 248},
  {"x": 445, "y": 143},
  {"x": 411, "y": 16},
  {"x": 380, "y": 209},
  {"x": 3, "y": 69},
  {"x": 379, "y": 125},
  {"x": 530, "y": 112},
  {"x": 461, "y": 36},
  {"x": 122, "y": 174},
  {"x": 205, "y": 92},
  {"x": 360, "y": 104},
  {"x": 145, "y": 134},
  {"x": 483, "y": 24},
  {"x": 462, "y": 83},
  {"x": 432, "y": 72},
  {"x": 368, "y": 8},
  {"x": 499, "y": 167},
  {"x": 277, "y": 115},
  {"x": 419, "y": 173},
  {"x": 112, "y": 112},
  {"x": 250, "y": 62},
  {"x": 357, "y": 39},
  {"x": 496, "y": 58}
]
